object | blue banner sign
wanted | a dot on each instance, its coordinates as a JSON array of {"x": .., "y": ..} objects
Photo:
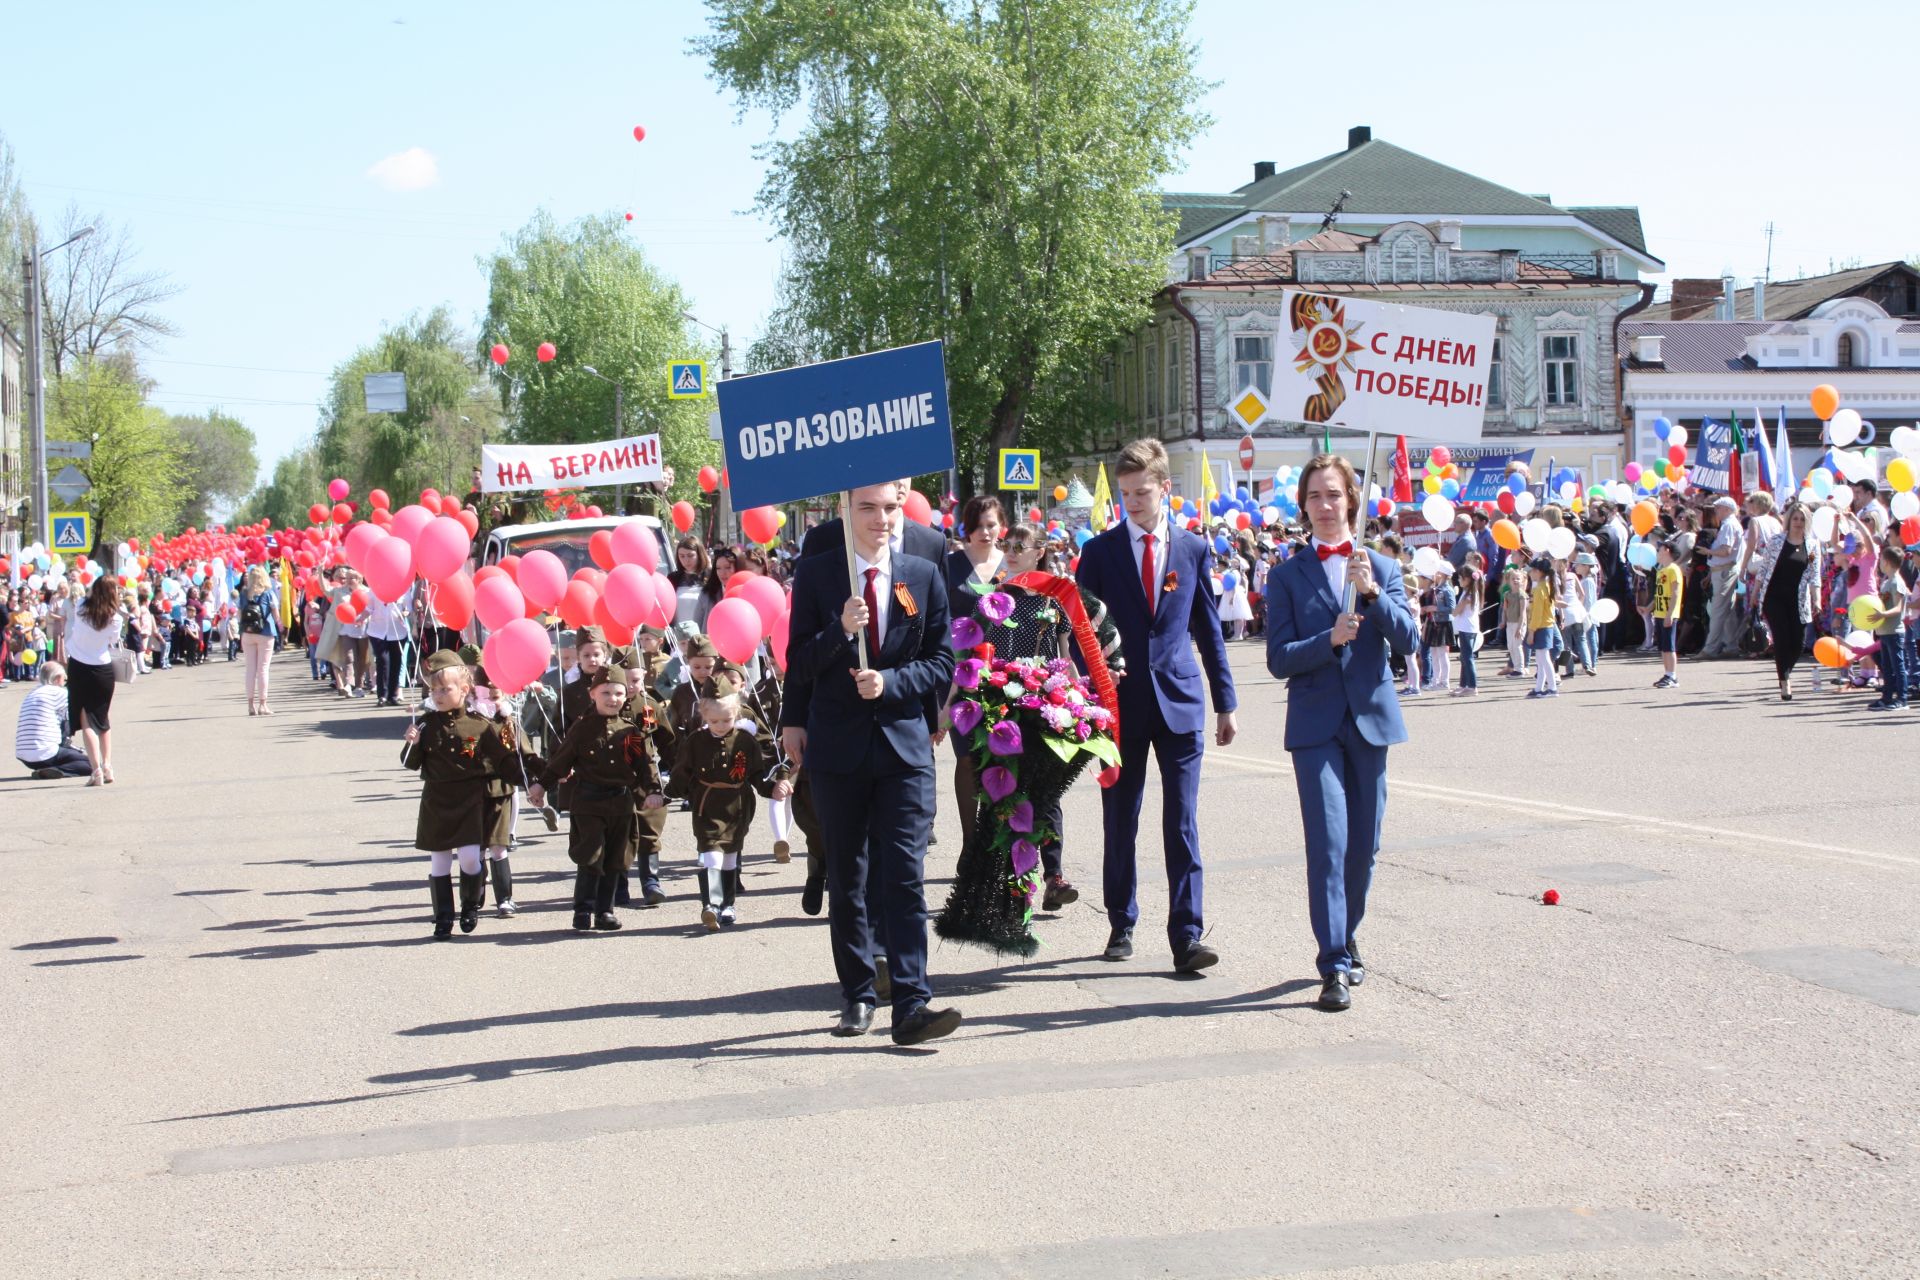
[
  {"x": 820, "y": 428},
  {"x": 1712, "y": 455},
  {"x": 1490, "y": 475}
]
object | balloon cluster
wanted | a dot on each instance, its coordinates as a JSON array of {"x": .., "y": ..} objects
[{"x": 1826, "y": 485}]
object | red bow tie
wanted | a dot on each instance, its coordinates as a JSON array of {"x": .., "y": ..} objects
[{"x": 1327, "y": 553}]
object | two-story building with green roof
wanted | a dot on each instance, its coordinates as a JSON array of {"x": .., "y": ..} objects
[{"x": 1379, "y": 222}]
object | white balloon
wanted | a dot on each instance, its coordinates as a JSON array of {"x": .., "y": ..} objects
[
  {"x": 1534, "y": 533},
  {"x": 1560, "y": 543},
  {"x": 1821, "y": 526},
  {"x": 1906, "y": 504},
  {"x": 1844, "y": 427},
  {"x": 1905, "y": 441},
  {"x": 1568, "y": 490},
  {"x": 1855, "y": 467},
  {"x": 1438, "y": 511},
  {"x": 1606, "y": 610},
  {"x": 1858, "y": 640},
  {"x": 1427, "y": 562},
  {"x": 1677, "y": 438},
  {"x": 1523, "y": 503},
  {"x": 1620, "y": 491}
]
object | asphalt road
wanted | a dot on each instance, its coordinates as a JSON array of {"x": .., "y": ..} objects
[{"x": 229, "y": 1048}]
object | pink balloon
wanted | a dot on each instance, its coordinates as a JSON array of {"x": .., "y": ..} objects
[
  {"x": 389, "y": 568},
  {"x": 666, "y": 602},
  {"x": 734, "y": 628},
  {"x": 542, "y": 578},
  {"x": 628, "y": 592},
  {"x": 496, "y": 602},
  {"x": 517, "y": 654},
  {"x": 766, "y": 597},
  {"x": 441, "y": 548},
  {"x": 361, "y": 539},
  {"x": 409, "y": 520},
  {"x": 781, "y": 637},
  {"x": 453, "y": 602},
  {"x": 338, "y": 490},
  {"x": 633, "y": 543}
]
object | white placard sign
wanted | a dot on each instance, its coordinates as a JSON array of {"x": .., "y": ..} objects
[
  {"x": 505, "y": 467},
  {"x": 1373, "y": 366}
]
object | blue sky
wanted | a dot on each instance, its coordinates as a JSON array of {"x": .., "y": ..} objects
[{"x": 235, "y": 142}]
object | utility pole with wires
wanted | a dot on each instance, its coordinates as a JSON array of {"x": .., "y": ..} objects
[{"x": 1767, "y": 275}]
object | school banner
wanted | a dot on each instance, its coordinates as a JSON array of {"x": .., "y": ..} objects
[
  {"x": 1490, "y": 475},
  {"x": 1712, "y": 456},
  {"x": 506, "y": 467},
  {"x": 1374, "y": 366},
  {"x": 820, "y": 428}
]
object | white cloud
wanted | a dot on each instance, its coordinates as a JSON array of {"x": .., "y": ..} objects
[{"x": 414, "y": 169}]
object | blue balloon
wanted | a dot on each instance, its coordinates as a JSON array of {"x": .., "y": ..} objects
[
  {"x": 1449, "y": 489},
  {"x": 1242, "y": 493},
  {"x": 1641, "y": 555},
  {"x": 1081, "y": 537},
  {"x": 1662, "y": 428},
  {"x": 1515, "y": 484},
  {"x": 1221, "y": 545},
  {"x": 1229, "y": 581}
]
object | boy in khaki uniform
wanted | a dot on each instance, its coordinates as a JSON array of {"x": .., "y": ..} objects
[
  {"x": 717, "y": 770},
  {"x": 648, "y": 715}
]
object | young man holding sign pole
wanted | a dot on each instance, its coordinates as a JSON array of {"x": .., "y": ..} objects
[{"x": 873, "y": 656}]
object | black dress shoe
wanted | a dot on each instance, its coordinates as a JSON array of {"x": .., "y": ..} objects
[
  {"x": 812, "y": 894},
  {"x": 1196, "y": 956},
  {"x": 1333, "y": 993},
  {"x": 855, "y": 1020},
  {"x": 1357, "y": 974},
  {"x": 882, "y": 980},
  {"x": 1120, "y": 945},
  {"x": 606, "y": 922},
  {"x": 583, "y": 920},
  {"x": 925, "y": 1024}
]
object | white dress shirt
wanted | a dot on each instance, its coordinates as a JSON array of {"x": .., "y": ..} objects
[
  {"x": 1160, "y": 553},
  {"x": 882, "y": 589},
  {"x": 1335, "y": 567}
]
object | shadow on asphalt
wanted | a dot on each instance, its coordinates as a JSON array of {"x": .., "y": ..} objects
[{"x": 61, "y": 944}]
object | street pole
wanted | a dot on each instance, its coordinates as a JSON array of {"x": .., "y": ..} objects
[
  {"x": 36, "y": 387},
  {"x": 619, "y": 429},
  {"x": 725, "y": 512}
]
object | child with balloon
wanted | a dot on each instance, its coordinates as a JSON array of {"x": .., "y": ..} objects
[{"x": 1543, "y": 624}]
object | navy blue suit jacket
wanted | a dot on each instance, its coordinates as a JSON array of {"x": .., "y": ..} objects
[
  {"x": 915, "y": 655},
  {"x": 1162, "y": 675},
  {"x": 1324, "y": 684}
]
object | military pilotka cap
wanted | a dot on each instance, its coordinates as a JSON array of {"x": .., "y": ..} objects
[
  {"x": 608, "y": 674},
  {"x": 698, "y": 646},
  {"x": 443, "y": 660},
  {"x": 589, "y": 635},
  {"x": 623, "y": 658},
  {"x": 469, "y": 654}
]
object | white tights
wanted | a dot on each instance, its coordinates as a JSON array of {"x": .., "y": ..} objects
[
  {"x": 713, "y": 859},
  {"x": 440, "y": 861}
]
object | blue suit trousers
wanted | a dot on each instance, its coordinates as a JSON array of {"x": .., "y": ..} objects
[
  {"x": 1343, "y": 798},
  {"x": 1180, "y": 756}
]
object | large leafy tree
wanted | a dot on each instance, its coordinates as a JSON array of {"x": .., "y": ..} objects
[
  {"x": 138, "y": 464},
  {"x": 589, "y": 290},
  {"x": 980, "y": 172},
  {"x": 219, "y": 462}
]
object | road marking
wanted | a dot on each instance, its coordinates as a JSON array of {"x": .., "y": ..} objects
[
  {"x": 1579, "y": 813},
  {"x": 920, "y": 1086},
  {"x": 1853, "y": 970},
  {"x": 1243, "y": 1253}
]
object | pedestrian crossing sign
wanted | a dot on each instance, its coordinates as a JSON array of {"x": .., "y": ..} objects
[
  {"x": 1020, "y": 469},
  {"x": 687, "y": 379},
  {"x": 70, "y": 531}
]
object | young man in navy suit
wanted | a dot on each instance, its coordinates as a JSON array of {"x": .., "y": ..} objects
[
  {"x": 869, "y": 751},
  {"x": 1342, "y": 713},
  {"x": 1153, "y": 579}
]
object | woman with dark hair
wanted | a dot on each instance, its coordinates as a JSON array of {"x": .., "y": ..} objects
[
  {"x": 692, "y": 600},
  {"x": 970, "y": 573},
  {"x": 726, "y": 560},
  {"x": 91, "y": 643}
]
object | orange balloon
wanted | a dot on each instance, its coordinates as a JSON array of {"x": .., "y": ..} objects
[
  {"x": 1645, "y": 516},
  {"x": 1825, "y": 400},
  {"x": 1507, "y": 534},
  {"x": 1059, "y": 493},
  {"x": 1829, "y": 652}
]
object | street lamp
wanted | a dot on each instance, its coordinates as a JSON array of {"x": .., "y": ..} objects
[
  {"x": 36, "y": 381},
  {"x": 619, "y": 427}
]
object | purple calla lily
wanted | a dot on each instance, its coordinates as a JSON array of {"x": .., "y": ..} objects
[
  {"x": 965, "y": 716},
  {"x": 1021, "y": 819},
  {"x": 1004, "y": 739},
  {"x": 966, "y": 633},
  {"x": 997, "y": 782},
  {"x": 996, "y": 606},
  {"x": 967, "y": 673},
  {"x": 1026, "y": 856}
]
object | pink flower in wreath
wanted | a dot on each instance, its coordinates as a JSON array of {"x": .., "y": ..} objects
[
  {"x": 965, "y": 716},
  {"x": 1004, "y": 739},
  {"x": 996, "y": 606},
  {"x": 997, "y": 782}
]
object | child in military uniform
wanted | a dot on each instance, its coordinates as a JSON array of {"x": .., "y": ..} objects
[
  {"x": 456, "y": 752},
  {"x": 648, "y": 644},
  {"x": 576, "y": 699},
  {"x": 649, "y": 717},
  {"x": 718, "y": 769},
  {"x": 608, "y": 759},
  {"x": 684, "y": 708},
  {"x": 501, "y": 807}
]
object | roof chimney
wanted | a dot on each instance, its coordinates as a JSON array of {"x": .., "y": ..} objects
[
  {"x": 1759, "y": 299},
  {"x": 1691, "y": 296},
  {"x": 1726, "y": 298},
  {"x": 1262, "y": 169},
  {"x": 1359, "y": 135},
  {"x": 1646, "y": 348}
]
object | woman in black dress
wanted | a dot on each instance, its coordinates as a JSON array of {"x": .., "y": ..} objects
[
  {"x": 1789, "y": 585},
  {"x": 970, "y": 573}
]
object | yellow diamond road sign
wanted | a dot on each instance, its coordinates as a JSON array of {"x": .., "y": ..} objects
[{"x": 1250, "y": 407}]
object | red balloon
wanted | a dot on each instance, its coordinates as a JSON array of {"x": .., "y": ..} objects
[
  {"x": 1910, "y": 530},
  {"x": 600, "y": 547},
  {"x": 617, "y": 631},
  {"x": 1243, "y": 521},
  {"x": 449, "y": 505},
  {"x": 919, "y": 510},
  {"x": 342, "y": 513},
  {"x": 1505, "y": 501},
  {"x": 709, "y": 479},
  {"x": 468, "y": 521},
  {"x": 345, "y": 612},
  {"x": 542, "y": 578},
  {"x": 379, "y": 498},
  {"x": 576, "y": 604},
  {"x": 639, "y": 134},
  {"x": 683, "y": 516},
  {"x": 781, "y": 638},
  {"x": 499, "y": 353},
  {"x": 946, "y": 519},
  {"x": 430, "y": 499},
  {"x": 734, "y": 627},
  {"x": 628, "y": 594},
  {"x": 629, "y": 217},
  {"x": 510, "y": 565},
  {"x": 1034, "y": 515},
  {"x": 453, "y": 602},
  {"x": 496, "y": 601},
  {"x": 1677, "y": 455},
  {"x": 545, "y": 352},
  {"x": 317, "y": 513},
  {"x": 359, "y": 599},
  {"x": 760, "y": 524}
]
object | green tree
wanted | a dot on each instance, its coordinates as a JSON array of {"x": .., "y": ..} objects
[
  {"x": 589, "y": 290},
  {"x": 986, "y": 173},
  {"x": 16, "y": 237},
  {"x": 138, "y": 465},
  {"x": 219, "y": 460}
]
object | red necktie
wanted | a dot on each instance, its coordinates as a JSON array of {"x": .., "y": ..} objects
[
  {"x": 1146, "y": 566},
  {"x": 1327, "y": 553},
  {"x": 873, "y": 618}
]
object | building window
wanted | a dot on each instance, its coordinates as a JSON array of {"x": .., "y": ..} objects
[
  {"x": 1497, "y": 376},
  {"x": 1153, "y": 379},
  {"x": 1846, "y": 358},
  {"x": 1176, "y": 385},
  {"x": 1253, "y": 363},
  {"x": 1560, "y": 368}
]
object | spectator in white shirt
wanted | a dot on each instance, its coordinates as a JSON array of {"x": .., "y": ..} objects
[{"x": 40, "y": 738}]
